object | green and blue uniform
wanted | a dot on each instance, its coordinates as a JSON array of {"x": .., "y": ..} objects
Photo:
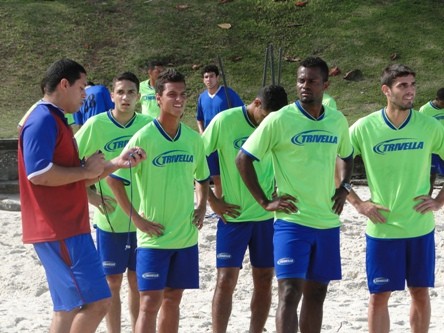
[
  {"x": 397, "y": 164},
  {"x": 304, "y": 152},
  {"x": 165, "y": 182},
  {"x": 226, "y": 134},
  {"x": 432, "y": 110},
  {"x": 148, "y": 100},
  {"x": 103, "y": 132}
]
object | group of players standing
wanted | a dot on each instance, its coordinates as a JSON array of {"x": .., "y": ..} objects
[{"x": 275, "y": 193}]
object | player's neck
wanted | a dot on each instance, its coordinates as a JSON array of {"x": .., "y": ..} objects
[
  {"x": 169, "y": 124},
  {"x": 250, "y": 114},
  {"x": 213, "y": 90},
  {"x": 397, "y": 116},
  {"x": 314, "y": 109},
  {"x": 55, "y": 99},
  {"x": 122, "y": 117}
]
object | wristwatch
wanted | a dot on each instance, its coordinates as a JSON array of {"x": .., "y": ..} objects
[{"x": 347, "y": 186}]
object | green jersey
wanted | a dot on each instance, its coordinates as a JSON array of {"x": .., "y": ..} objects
[
  {"x": 103, "y": 132},
  {"x": 397, "y": 164},
  {"x": 329, "y": 101},
  {"x": 432, "y": 110},
  {"x": 304, "y": 152},
  {"x": 165, "y": 182},
  {"x": 226, "y": 133},
  {"x": 148, "y": 100}
]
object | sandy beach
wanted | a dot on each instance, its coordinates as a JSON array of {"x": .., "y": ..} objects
[{"x": 26, "y": 306}]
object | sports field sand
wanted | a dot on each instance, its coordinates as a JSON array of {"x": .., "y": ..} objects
[{"x": 25, "y": 304}]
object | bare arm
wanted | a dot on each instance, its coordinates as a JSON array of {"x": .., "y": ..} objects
[
  {"x": 428, "y": 203},
  {"x": 367, "y": 208},
  {"x": 58, "y": 175},
  {"x": 94, "y": 167},
  {"x": 221, "y": 208},
  {"x": 118, "y": 188},
  {"x": 200, "y": 126},
  {"x": 344, "y": 172},
  {"x": 246, "y": 169},
  {"x": 107, "y": 205},
  {"x": 202, "y": 190}
]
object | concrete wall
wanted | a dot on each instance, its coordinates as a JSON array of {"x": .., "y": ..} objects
[{"x": 8, "y": 166}]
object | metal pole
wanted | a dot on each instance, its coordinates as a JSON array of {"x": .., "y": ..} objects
[
  {"x": 264, "y": 77},
  {"x": 222, "y": 72},
  {"x": 272, "y": 63},
  {"x": 279, "y": 66}
]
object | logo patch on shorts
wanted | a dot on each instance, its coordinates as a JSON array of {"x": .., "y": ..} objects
[
  {"x": 285, "y": 261},
  {"x": 381, "y": 280},
  {"x": 223, "y": 256},
  {"x": 150, "y": 275},
  {"x": 108, "y": 264}
]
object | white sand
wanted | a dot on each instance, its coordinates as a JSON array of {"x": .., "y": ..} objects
[{"x": 25, "y": 304}]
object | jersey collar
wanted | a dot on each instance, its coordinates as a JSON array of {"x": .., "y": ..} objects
[
  {"x": 114, "y": 120},
  {"x": 165, "y": 134},
  {"x": 60, "y": 113},
  {"x": 244, "y": 111},
  {"x": 389, "y": 123},
  {"x": 308, "y": 115}
]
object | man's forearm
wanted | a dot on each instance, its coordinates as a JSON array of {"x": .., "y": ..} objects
[
  {"x": 202, "y": 193},
  {"x": 248, "y": 174}
]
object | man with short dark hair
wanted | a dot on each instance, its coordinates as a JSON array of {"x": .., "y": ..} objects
[
  {"x": 304, "y": 139},
  {"x": 109, "y": 132},
  {"x": 148, "y": 100},
  {"x": 435, "y": 109},
  {"x": 215, "y": 99},
  {"x": 55, "y": 216},
  {"x": 167, "y": 221},
  {"x": 243, "y": 222},
  {"x": 395, "y": 144}
]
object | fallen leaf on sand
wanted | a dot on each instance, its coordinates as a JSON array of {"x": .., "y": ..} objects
[{"x": 224, "y": 25}]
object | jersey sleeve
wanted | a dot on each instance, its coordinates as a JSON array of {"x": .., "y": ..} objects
[
  {"x": 345, "y": 149},
  {"x": 438, "y": 142},
  {"x": 211, "y": 135},
  {"x": 84, "y": 138},
  {"x": 354, "y": 139},
  {"x": 39, "y": 137},
  {"x": 260, "y": 141},
  {"x": 109, "y": 104},
  {"x": 235, "y": 99},
  {"x": 201, "y": 173},
  {"x": 199, "y": 110}
]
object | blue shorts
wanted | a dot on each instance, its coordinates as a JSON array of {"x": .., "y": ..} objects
[
  {"x": 233, "y": 239},
  {"x": 437, "y": 165},
  {"x": 74, "y": 272},
  {"x": 392, "y": 262},
  {"x": 306, "y": 253},
  {"x": 213, "y": 164},
  {"x": 117, "y": 251},
  {"x": 160, "y": 268}
]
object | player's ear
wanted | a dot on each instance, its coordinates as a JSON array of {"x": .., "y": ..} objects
[
  {"x": 385, "y": 89},
  {"x": 326, "y": 85}
]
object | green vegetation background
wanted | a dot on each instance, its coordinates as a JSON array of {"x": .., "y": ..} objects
[{"x": 108, "y": 37}]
